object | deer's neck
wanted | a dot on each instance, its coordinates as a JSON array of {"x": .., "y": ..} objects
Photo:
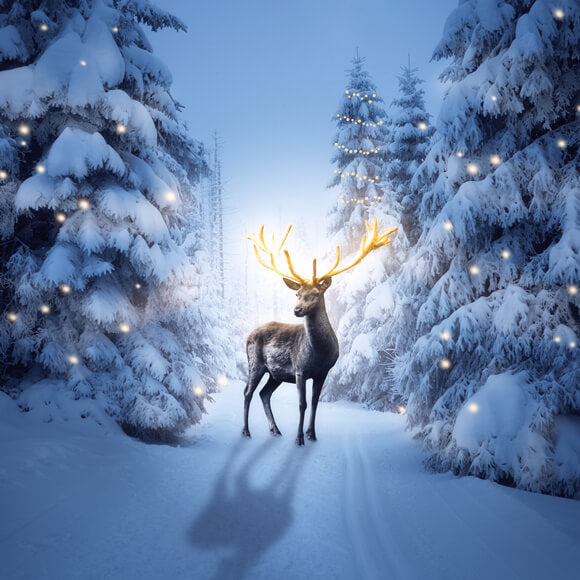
[{"x": 318, "y": 329}]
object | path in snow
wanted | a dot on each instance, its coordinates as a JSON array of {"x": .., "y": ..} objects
[{"x": 79, "y": 503}]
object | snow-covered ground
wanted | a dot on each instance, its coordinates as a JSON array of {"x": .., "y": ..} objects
[{"x": 80, "y": 501}]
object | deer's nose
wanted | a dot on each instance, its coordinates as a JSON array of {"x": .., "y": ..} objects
[{"x": 298, "y": 311}]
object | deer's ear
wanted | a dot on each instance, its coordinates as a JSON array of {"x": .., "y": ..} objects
[
  {"x": 291, "y": 284},
  {"x": 325, "y": 284}
]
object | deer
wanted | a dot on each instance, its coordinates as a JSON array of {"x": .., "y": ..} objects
[{"x": 294, "y": 353}]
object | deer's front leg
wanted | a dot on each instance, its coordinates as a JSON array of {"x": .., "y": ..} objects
[
  {"x": 316, "y": 389},
  {"x": 301, "y": 385}
]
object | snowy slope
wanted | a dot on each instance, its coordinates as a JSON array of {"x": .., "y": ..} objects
[{"x": 88, "y": 502}]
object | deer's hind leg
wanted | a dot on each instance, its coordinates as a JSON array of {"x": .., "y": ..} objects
[
  {"x": 265, "y": 395},
  {"x": 254, "y": 379}
]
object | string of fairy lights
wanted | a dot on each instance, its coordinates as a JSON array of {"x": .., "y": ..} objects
[
  {"x": 357, "y": 176},
  {"x": 357, "y": 151},
  {"x": 356, "y": 121},
  {"x": 359, "y": 121},
  {"x": 352, "y": 94}
]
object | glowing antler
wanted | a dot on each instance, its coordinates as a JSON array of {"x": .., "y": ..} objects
[
  {"x": 261, "y": 246},
  {"x": 371, "y": 241}
]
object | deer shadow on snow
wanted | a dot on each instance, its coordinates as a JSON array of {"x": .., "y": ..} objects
[{"x": 246, "y": 517}]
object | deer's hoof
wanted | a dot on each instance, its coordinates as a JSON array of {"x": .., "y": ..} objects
[
  {"x": 275, "y": 431},
  {"x": 311, "y": 435},
  {"x": 246, "y": 432},
  {"x": 300, "y": 440}
]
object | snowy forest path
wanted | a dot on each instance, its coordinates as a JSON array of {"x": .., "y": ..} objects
[
  {"x": 81, "y": 501},
  {"x": 370, "y": 535}
]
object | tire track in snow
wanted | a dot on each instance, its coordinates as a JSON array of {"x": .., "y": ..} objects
[{"x": 373, "y": 544}]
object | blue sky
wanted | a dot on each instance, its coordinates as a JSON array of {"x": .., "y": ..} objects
[{"x": 268, "y": 77}]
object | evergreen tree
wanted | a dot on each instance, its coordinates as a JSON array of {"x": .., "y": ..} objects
[
  {"x": 360, "y": 144},
  {"x": 410, "y": 134},
  {"x": 361, "y": 141},
  {"x": 215, "y": 218},
  {"x": 100, "y": 296},
  {"x": 486, "y": 323}
]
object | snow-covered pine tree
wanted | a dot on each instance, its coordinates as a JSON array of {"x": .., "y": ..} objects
[
  {"x": 102, "y": 297},
  {"x": 488, "y": 308},
  {"x": 410, "y": 134},
  {"x": 361, "y": 141}
]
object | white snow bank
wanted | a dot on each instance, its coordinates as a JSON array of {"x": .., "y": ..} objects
[
  {"x": 496, "y": 411},
  {"x": 79, "y": 501}
]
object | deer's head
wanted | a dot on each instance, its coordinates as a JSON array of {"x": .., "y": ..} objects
[
  {"x": 310, "y": 296},
  {"x": 310, "y": 291}
]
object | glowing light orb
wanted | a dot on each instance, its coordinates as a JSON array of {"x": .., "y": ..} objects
[
  {"x": 197, "y": 391},
  {"x": 473, "y": 407},
  {"x": 83, "y": 203},
  {"x": 73, "y": 360},
  {"x": 24, "y": 129},
  {"x": 12, "y": 316},
  {"x": 40, "y": 169},
  {"x": 474, "y": 270},
  {"x": 23, "y": 143},
  {"x": 121, "y": 129},
  {"x": 445, "y": 334},
  {"x": 137, "y": 286},
  {"x": 374, "y": 95},
  {"x": 572, "y": 290},
  {"x": 222, "y": 380},
  {"x": 448, "y": 226},
  {"x": 43, "y": 27},
  {"x": 124, "y": 327},
  {"x": 3, "y": 174},
  {"x": 572, "y": 344},
  {"x": 65, "y": 288},
  {"x": 505, "y": 254},
  {"x": 445, "y": 364},
  {"x": 557, "y": 339},
  {"x": 115, "y": 29},
  {"x": 494, "y": 98},
  {"x": 561, "y": 143},
  {"x": 60, "y": 217},
  {"x": 422, "y": 126},
  {"x": 472, "y": 169},
  {"x": 402, "y": 410},
  {"x": 45, "y": 309},
  {"x": 346, "y": 92},
  {"x": 83, "y": 62},
  {"x": 459, "y": 154},
  {"x": 558, "y": 14},
  {"x": 495, "y": 159}
]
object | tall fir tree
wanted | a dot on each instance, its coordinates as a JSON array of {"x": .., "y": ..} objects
[
  {"x": 486, "y": 319},
  {"x": 100, "y": 296},
  {"x": 360, "y": 144},
  {"x": 410, "y": 134},
  {"x": 361, "y": 141}
]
